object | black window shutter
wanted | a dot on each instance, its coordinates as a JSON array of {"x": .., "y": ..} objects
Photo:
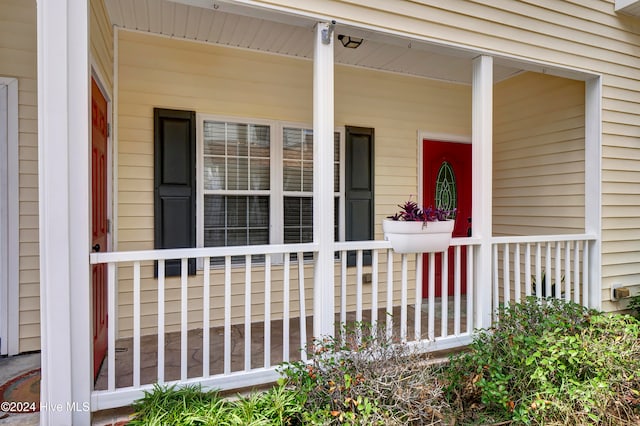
[
  {"x": 175, "y": 183},
  {"x": 359, "y": 197}
]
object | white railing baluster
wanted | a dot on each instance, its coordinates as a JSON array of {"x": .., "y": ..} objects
[
  {"x": 558, "y": 288},
  {"x": 418, "y": 304},
  {"x": 444, "y": 295},
  {"x": 302, "y": 305},
  {"x": 547, "y": 271},
  {"x": 585, "y": 273},
  {"x": 389, "y": 309},
  {"x": 470, "y": 288},
  {"x": 359, "y": 286},
  {"x": 374, "y": 290},
  {"x": 567, "y": 271},
  {"x": 538, "y": 271},
  {"x": 516, "y": 273},
  {"x": 431, "y": 291},
  {"x": 161, "y": 321},
  {"x": 227, "y": 314},
  {"x": 496, "y": 282},
  {"x": 527, "y": 270},
  {"x": 576, "y": 272},
  {"x": 286, "y": 314},
  {"x": 506, "y": 275},
  {"x": 343, "y": 290},
  {"x": 247, "y": 312},
  {"x": 403, "y": 299},
  {"x": 112, "y": 302},
  {"x": 184, "y": 317},
  {"x": 267, "y": 311},
  {"x": 206, "y": 320},
  {"x": 136, "y": 324},
  {"x": 457, "y": 276}
]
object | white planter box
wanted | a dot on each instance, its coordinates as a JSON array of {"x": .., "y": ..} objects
[{"x": 418, "y": 237}]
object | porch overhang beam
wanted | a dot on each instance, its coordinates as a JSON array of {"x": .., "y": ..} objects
[
  {"x": 63, "y": 173},
  {"x": 482, "y": 183},
  {"x": 323, "y": 150}
]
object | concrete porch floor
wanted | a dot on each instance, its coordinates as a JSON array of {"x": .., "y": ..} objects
[{"x": 172, "y": 353}]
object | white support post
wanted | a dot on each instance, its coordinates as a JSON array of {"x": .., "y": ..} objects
[
  {"x": 63, "y": 169},
  {"x": 482, "y": 159},
  {"x": 592, "y": 185},
  {"x": 323, "y": 222}
]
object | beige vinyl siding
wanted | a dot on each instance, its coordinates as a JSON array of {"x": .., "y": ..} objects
[
  {"x": 101, "y": 41},
  {"x": 586, "y": 34},
  {"x": 538, "y": 156},
  {"x": 18, "y": 59},
  {"x": 162, "y": 72}
]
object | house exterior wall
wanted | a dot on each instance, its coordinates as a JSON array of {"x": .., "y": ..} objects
[
  {"x": 538, "y": 156},
  {"x": 18, "y": 60},
  {"x": 101, "y": 42},
  {"x": 587, "y": 35},
  {"x": 157, "y": 71}
]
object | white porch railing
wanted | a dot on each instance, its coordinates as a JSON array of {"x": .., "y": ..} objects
[
  {"x": 228, "y": 326},
  {"x": 542, "y": 266}
]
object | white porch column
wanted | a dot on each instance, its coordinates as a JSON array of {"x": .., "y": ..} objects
[
  {"x": 482, "y": 201},
  {"x": 63, "y": 169},
  {"x": 592, "y": 184},
  {"x": 323, "y": 221}
]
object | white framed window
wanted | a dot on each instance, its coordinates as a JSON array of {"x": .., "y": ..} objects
[{"x": 255, "y": 182}]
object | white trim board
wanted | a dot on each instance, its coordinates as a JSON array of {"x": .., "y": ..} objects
[{"x": 9, "y": 202}]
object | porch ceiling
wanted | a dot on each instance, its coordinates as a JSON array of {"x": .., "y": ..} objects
[{"x": 228, "y": 24}]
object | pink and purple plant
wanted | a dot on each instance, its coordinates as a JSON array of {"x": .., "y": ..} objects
[{"x": 410, "y": 211}]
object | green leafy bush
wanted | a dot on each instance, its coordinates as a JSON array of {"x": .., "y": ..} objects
[
  {"x": 190, "y": 405},
  {"x": 360, "y": 377},
  {"x": 551, "y": 362}
]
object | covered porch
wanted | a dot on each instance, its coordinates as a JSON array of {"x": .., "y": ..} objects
[{"x": 534, "y": 132}]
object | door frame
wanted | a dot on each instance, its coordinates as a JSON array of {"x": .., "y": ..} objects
[
  {"x": 9, "y": 241},
  {"x": 442, "y": 137}
]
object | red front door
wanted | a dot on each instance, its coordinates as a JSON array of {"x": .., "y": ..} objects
[
  {"x": 99, "y": 222},
  {"x": 447, "y": 184}
]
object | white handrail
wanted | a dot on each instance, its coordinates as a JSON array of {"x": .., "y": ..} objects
[{"x": 190, "y": 253}]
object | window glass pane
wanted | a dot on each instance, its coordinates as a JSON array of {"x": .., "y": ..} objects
[
  {"x": 236, "y": 220},
  {"x": 214, "y": 173},
  {"x": 214, "y": 211},
  {"x": 292, "y": 175},
  {"x": 259, "y": 141},
  {"x": 214, "y": 138},
  {"x": 259, "y": 174},
  {"x": 237, "y": 143},
  {"x": 298, "y": 219},
  {"x": 307, "y": 145},
  {"x": 236, "y": 211},
  {"x": 307, "y": 176},
  {"x": 258, "y": 213},
  {"x": 307, "y": 211},
  {"x": 237, "y": 173},
  {"x": 291, "y": 143},
  {"x": 446, "y": 191}
]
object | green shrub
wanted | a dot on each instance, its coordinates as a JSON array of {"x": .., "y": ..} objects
[
  {"x": 549, "y": 362},
  {"x": 190, "y": 405}
]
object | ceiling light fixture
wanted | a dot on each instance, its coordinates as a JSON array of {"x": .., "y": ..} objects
[{"x": 350, "y": 42}]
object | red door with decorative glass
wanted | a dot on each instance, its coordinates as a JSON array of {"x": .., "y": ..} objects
[
  {"x": 447, "y": 185},
  {"x": 99, "y": 222}
]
